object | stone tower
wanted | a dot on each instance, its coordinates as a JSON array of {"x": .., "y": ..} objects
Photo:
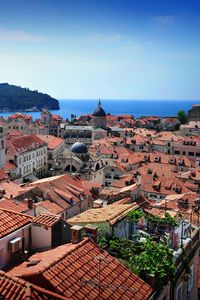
[
  {"x": 99, "y": 117},
  {"x": 45, "y": 116}
]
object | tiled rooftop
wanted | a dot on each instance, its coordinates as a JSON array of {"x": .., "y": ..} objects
[
  {"x": 111, "y": 214},
  {"x": 50, "y": 206},
  {"x": 14, "y": 205},
  {"x": 60, "y": 189},
  {"x": 11, "y": 221},
  {"x": 46, "y": 220},
  {"x": 84, "y": 271},
  {"x": 13, "y": 288},
  {"x": 3, "y": 175},
  {"x": 52, "y": 141},
  {"x": 25, "y": 143}
]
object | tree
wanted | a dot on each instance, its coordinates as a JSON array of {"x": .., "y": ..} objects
[
  {"x": 156, "y": 260},
  {"x": 182, "y": 116}
]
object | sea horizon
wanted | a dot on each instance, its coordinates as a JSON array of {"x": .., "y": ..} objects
[{"x": 135, "y": 107}]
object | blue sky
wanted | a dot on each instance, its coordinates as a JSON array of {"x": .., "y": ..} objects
[{"x": 90, "y": 49}]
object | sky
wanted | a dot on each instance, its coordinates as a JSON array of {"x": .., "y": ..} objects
[{"x": 108, "y": 49}]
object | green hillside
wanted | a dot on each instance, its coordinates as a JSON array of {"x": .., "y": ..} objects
[{"x": 14, "y": 98}]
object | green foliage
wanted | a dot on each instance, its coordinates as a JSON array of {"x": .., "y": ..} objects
[
  {"x": 135, "y": 215},
  {"x": 182, "y": 116},
  {"x": 155, "y": 259},
  {"x": 168, "y": 220},
  {"x": 144, "y": 259},
  {"x": 16, "y": 98}
]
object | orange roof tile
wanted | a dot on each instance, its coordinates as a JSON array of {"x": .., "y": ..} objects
[
  {"x": 46, "y": 220},
  {"x": 11, "y": 221},
  {"x": 9, "y": 166},
  {"x": 50, "y": 206},
  {"x": 25, "y": 143},
  {"x": 14, "y": 288},
  {"x": 3, "y": 175},
  {"x": 74, "y": 270},
  {"x": 52, "y": 141},
  {"x": 59, "y": 188},
  {"x": 14, "y": 205}
]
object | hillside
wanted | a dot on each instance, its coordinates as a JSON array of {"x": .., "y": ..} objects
[{"x": 14, "y": 98}]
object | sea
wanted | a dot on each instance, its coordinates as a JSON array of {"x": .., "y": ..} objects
[{"x": 137, "y": 108}]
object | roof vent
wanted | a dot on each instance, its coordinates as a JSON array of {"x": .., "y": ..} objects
[{"x": 33, "y": 262}]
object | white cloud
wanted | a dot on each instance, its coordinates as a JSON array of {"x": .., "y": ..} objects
[
  {"x": 164, "y": 20},
  {"x": 19, "y": 36}
]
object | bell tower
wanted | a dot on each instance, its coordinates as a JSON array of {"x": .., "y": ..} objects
[
  {"x": 99, "y": 117},
  {"x": 2, "y": 147}
]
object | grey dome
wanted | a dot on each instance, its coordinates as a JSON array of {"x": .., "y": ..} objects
[
  {"x": 79, "y": 148},
  {"x": 99, "y": 112}
]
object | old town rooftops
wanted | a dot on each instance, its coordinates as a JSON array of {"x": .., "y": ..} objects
[{"x": 73, "y": 270}]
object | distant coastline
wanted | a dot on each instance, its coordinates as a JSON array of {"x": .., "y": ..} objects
[
  {"x": 34, "y": 109},
  {"x": 137, "y": 108}
]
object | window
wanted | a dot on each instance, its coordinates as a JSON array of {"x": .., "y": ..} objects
[
  {"x": 197, "y": 154},
  {"x": 179, "y": 292},
  {"x": 183, "y": 152},
  {"x": 191, "y": 153},
  {"x": 177, "y": 152}
]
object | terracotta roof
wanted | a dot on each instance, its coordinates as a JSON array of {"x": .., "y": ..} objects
[
  {"x": 111, "y": 214},
  {"x": 46, "y": 220},
  {"x": 15, "y": 133},
  {"x": 11, "y": 221},
  {"x": 160, "y": 213},
  {"x": 59, "y": 189},
  {"x": 52, "y": 141},
  {"x": 9, "y": 166},
  {"x": 3, "y": 175},
  {"x": 13, "y": 288},
  {"x": 74, "y": 270},
  {"x": 24, "y": 143},
  {"x": 14, "y": 205},
  {"x": 50, "y": 206},
  {"x": 20, "y": 116},
  {"x": 11, "y": 188}
]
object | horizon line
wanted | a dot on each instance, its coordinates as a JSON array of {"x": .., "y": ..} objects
[{"x": 126, "y": 99}]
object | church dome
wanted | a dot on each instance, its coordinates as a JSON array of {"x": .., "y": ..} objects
[
  {"x": 79, "y": 148},
  {"x": 99, "y": 112}
]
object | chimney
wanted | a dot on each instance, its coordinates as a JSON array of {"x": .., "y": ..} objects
[
  {"x": 30, "y": 203},
  {"x": 91, "y": 231},
  {"x": 76, "y": 231}
]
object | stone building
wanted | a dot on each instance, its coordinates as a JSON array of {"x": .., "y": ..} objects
[
  {"x": 29, "y": 155},
  {"x": 194, "y": 113}
]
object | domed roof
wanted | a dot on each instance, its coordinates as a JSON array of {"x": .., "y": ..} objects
[
  {"x": 99, "y": 112},
  {"x": 79, "y": 148}
]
